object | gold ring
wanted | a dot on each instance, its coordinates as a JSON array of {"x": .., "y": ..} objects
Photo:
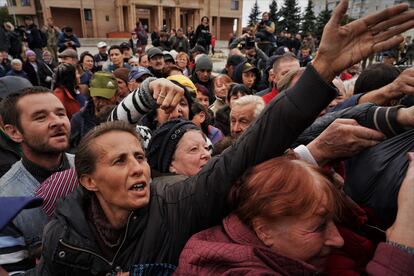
[{"x": 162, "y": 96}]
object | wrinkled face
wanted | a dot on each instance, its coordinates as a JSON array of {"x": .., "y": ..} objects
[
  {"x": 182, "y": 110},
  {"x": 220, "y": 89},
  {"x": 87, "y": 63},
  {"x": 122, "y": 174},
  {"x": 157, "y": 62},
  {"x": 203, "y": 75},
  {"x": 182, "y": 62},
  {"x": 285, "y": 67},
  {"x": 143, "y": 61},
  {"x": 240, "y": 119},
  {"x": 249, "y": 78},
  {"x": 191, "y": 154},
  {"x": 45, "y": 128},
  {"x": 116, "y": 57},
  {"x": 203, "y": 100},
  {"x": 17, "y": 67},
  {"x": 309, "y": 239},
  {"x": 122, "y": 91}
]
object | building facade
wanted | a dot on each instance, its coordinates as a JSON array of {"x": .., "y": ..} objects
[{"x": 105, "y": 18}]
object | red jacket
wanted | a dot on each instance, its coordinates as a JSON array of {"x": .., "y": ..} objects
[
  {"x": 71, "y": 104},
  {"x": 269, "y": 96},
  {"x": 234, "y": 249}
]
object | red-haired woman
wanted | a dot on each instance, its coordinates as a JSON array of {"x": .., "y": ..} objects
[{"x": 283, "y": 224}]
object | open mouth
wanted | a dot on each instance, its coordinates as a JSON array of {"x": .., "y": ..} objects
[
  {"x": 59, "y": 134},
  {"x": 138, "y": 187}
]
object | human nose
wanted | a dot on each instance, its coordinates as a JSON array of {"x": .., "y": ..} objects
[
  {"x": 334, "y": 239},
  {"x": 57, "y": 121},
  {"x": 135, "y": 166}
]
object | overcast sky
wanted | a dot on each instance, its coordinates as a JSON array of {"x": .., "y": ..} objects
[{"x": 263, "y": 6}]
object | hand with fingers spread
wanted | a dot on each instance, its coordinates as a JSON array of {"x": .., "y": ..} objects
[
  {"x": 166, "y": 93},
  {"x": 343, "y": 46},
  {"x": 402, "y": 231},
  {"x": 343, "y": 138}
]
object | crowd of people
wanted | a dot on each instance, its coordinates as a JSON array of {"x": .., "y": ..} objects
[{"x": 140, "y": 160}]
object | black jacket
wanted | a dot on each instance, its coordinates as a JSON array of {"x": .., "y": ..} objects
[
  {"x": 209, "y": 85},
  {"x": 158, "y": 232},
  {"x": 39, "y": 77},
  {"x": 9, "y": 153}
]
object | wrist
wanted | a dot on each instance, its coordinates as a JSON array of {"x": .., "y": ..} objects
[
  {"x": 403, "y": 117},
  {"x": 316, "y": 152},
  {"x": 323, "y": 69}
]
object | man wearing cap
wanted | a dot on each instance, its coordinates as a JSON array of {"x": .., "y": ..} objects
[
  {"x": 116, "y": 60},
  {"x": 101, "y": 57},
  {"x": 103, "y": 88},
  {"x": 36, "y": 119},
  {"x": 156, "y": 61},
  {"x": 247, "y": 74},
  {"x": 202, "y": 74},
  {"x": 69, "y": 56},
  {"x": 136, "y": 76},
  {"x": 126, "y": 51},
  {"x": 232, "y": 62},
  {"x": 67, "y": 40}
]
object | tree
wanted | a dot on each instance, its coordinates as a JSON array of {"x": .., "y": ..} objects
[
  {"x": 289, "y": 16},
  {"x": 308, "y": 20},
  {"x": 321, "y": 21},
  {"x": 273, "y": 14},
  {"x": 254, "y": 14}
]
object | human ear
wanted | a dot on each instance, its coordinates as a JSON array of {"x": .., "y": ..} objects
[
  {"x": 202, "y": 117},
  {"x": 87, "y": 182},
  {"x": 13, "y": 133},
  {"x": 172, "y": 169},
  {"x": 263, "y": 232}
]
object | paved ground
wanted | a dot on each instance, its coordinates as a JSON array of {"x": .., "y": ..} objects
[{"x": 219, "y": 59}]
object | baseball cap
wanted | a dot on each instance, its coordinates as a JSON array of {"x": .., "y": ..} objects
[
  {"x": 138, "y": 72},
  {"x": 69, "y": 53},
  {"x": 101, "y": 44},
  {"x": 11, "y": 206},
  {"x": 154, "y": 51},
  {"x": 12, "y": 84},
  {"x": 168, "y": 56},
  {"x": 247, "y": 67},
  {"x": 103, "y": 84}
]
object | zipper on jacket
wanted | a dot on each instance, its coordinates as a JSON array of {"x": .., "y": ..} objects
[{"x": 97, "y": 255}]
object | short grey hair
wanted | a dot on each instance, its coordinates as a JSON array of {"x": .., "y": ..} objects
[
  {"x": 16, "y": 62},
  {"x": 257, "y": 101}
]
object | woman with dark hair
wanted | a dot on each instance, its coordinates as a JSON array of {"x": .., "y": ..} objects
[
  {"x": 66, "y": 89},
  {"x": 202, "y": 34},
  {"x": 85, "y": 67},
  {"x": 202, "y": 119}
]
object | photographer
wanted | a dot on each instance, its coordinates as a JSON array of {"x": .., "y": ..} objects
[
  {"x": 67, "y": 40},
  {"x": 247, "y": 45},
  {"x": 264, "y": 34}
]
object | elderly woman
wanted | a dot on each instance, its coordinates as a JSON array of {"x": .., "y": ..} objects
[
  {"x": 122, "y": 221},
  {"x": 283, "y": 224}
]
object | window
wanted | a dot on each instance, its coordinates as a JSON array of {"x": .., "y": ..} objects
[
  {"x": 107, "y": 17},
  {"x": 88, "y": 14},
  {"x": 11, "y": 3},
  {"x": 25, "y": 3},
  {"x": 234, "y": 4}
]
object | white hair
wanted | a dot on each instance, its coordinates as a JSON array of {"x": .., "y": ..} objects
[
  {"x": 257, "y": 101},
  {"x": 16, "y": 62}
]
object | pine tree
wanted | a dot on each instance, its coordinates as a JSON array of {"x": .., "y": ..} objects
[
  {"x": 321, "y": 21},
  {"x": 254, "y": 14},
  {"x": 308, "y": 21},
  {"x": 289, "y": 16},
  {"x": 273, "y": 14}
]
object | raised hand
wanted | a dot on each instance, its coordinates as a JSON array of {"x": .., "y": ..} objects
[
  {"x": 343, "y": 46},
  {"x": 166, "y": 93}
]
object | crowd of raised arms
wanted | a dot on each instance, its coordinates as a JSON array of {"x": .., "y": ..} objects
[{"x": 294, "y": 159}]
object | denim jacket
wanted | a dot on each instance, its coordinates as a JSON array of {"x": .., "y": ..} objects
[{"x": 19, "y": 182}]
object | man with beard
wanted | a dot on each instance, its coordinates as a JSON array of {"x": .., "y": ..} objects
[{"x": 36, "y": 119}]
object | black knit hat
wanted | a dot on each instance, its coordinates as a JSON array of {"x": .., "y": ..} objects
[{"x": 163, "y": 143}]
